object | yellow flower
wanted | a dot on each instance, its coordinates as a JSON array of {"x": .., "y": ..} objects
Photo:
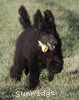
[{"x": 43, "y": 46}]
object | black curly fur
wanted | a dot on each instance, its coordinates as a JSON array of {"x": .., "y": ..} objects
[
  {"x": 29, "y": 56},
  {"x": 24, "y": 17},
  {"x": 38, "y": 20}
]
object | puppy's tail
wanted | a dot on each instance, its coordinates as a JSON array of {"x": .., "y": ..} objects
[{"x": 24, "y": 17}]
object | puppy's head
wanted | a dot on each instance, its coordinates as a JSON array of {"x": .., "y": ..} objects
[
  {"x": 49, "y": 40},
  {"x": 46, "y": 28}
]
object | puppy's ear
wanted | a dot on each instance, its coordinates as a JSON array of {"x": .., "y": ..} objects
[
  {"x": 49, "y": 16},
  {"x": 38, "y": 20},
  {"x": 49, "y": 22}
]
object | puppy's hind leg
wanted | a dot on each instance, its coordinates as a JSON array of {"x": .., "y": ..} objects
[
  {"x": 26, "y": 68},
  {"x": 17, "y": 68}
]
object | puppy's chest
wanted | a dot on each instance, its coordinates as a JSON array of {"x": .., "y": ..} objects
[
  {"x": 42, "y": 60},
  {"x": 43, "y": 57}
]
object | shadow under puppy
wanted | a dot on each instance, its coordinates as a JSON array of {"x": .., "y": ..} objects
[{"x": 38, "y": 46}]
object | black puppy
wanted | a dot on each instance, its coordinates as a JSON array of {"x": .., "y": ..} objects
[{"x": 38, "y": 46}]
